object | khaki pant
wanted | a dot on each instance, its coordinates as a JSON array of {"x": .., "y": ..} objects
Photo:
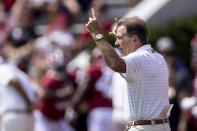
[
  {"x": 11, "y": 121},
  {"x": 157, "y": 127}
]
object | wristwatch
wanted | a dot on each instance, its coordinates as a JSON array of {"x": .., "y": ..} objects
[{"x": 99, "y": 37}]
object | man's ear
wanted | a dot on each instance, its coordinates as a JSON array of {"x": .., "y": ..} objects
[{"x": 135, "y": 38}]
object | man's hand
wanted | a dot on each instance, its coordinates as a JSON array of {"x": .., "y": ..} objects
[{"x": 92, "y": 25}]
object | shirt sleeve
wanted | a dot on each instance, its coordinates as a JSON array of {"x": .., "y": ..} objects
[{"x": 133, "y": 67}]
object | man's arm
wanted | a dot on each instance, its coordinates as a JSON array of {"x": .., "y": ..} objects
[
  {"x": 16, "y": 84},
  {"x": 108, "y": 53},
  {"x": 110, "y": 56},
  {"x": 82, "y": 88},
  {"x": 60, "y": 93}
]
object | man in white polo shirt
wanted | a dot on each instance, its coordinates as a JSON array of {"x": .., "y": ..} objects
[{"x": 145, "y": 71}]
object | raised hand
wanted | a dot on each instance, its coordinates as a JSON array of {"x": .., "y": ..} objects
[{"x": 92, "y": 25}]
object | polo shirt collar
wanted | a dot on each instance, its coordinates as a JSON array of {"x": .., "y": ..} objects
[{"x": 144, "y": 47}]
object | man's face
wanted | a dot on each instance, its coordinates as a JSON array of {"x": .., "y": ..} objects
[{"x": 123, "y": 41}]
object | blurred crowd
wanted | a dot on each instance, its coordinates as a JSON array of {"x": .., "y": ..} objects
[{"x": 38, "y": 92}]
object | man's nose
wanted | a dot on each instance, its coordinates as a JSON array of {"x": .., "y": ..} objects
[{"x": 117, "y": 43}]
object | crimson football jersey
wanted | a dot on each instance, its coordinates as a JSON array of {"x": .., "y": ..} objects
[
  {"x": 100, "y": 86},
  {"x": 54, "y": 107}
]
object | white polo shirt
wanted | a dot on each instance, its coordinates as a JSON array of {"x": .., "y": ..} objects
[{"x": 146, "y": 95}]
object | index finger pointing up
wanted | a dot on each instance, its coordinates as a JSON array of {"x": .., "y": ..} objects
[{"x": 93, "y": 14}]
